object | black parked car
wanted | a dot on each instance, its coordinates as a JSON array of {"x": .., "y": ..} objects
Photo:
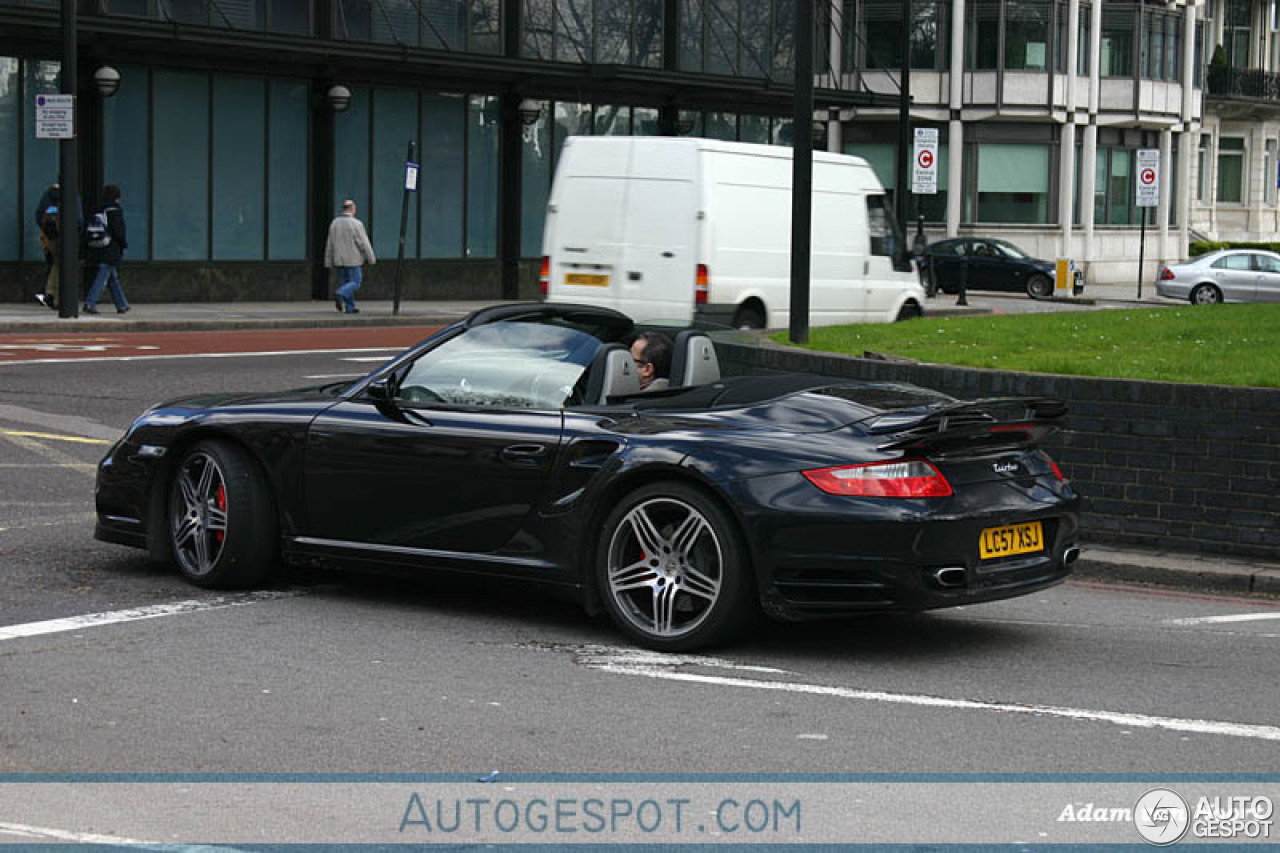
[
  {"x": 985, "y": 264},
  {"x": 517, "y": 444}
]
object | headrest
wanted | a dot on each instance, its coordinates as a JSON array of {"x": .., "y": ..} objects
[
  {"x": 612, "y": 372},
  {"x": 694, "y": 361}
]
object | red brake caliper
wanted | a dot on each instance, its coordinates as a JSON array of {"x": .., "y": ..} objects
[{"x": 221, "y": 500}]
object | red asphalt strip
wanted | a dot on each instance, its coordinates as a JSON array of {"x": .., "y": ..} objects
[{"x": 31, "y": 346}]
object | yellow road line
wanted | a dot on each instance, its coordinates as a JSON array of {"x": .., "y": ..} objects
[{"x": 54, "y": 437}]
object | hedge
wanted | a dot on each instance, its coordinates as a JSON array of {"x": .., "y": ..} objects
[{"x": 1202, "y": 247}]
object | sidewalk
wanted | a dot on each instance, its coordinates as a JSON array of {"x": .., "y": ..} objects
[{"x": 1194, "y": 572}]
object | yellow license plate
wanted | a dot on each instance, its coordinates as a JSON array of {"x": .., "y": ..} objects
[
  {"x": 588, "y": 279},
  {"x": 1011, "y": 539}
]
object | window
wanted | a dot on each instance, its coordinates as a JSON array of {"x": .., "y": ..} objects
[
  {"x": 1266, "y": 263},
  {"x": 239, "y": 168},
  {"x": 1013, "y": 183},
  {"x": 482, "y": 176},
  {"x": 750, "y": 38},
  {"x": 13, "y": 219},
  {"x": 982, "y": 38},
  {"x": 504, "y": 365},
  {"x": 1202, "y": 169},
  {"x": 1270, "y": 176},
  {"x": 1082, "y": 43},
  {"x": 288, "y": 126},
  {"x": 880, "y": 226},
  {"x": 1026, "y": 35},
  {"x": 1234, "y": 262},
  {"x": 1236, "y": 33},
  {"x": 443, "y": 164},
  {"x": 1230, "y": 170},
  {"x": 470, "y": 25},
  {"x": 1116, "y": 57},
  {"x": 180, "y": 176},
  {"x": 1120, "y": 187}
]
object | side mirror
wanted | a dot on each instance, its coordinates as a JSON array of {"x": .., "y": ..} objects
[{"x": 379, "y": 389}]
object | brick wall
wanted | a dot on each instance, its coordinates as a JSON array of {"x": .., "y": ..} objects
[{"x": 1177, "y": 467}]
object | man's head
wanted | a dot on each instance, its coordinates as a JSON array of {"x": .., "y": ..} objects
[
  {"x": 111, "y": 194},
  {"x": 652, "y": 354},
  {"x": 349, "y": 207}
]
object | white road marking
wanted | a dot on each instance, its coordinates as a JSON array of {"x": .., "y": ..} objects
[
  {"x": 72, "y": 424},
  {"x": 1218, "y": 620},
  {"x": 623, "y": 661},
  {"x": 97, "y": 620},
  {"x": 198, "y": 355},
  {"x": 334, "y": 376},
  {"x": 52, "y": 834},
  {"x": 365, "y": 358}
]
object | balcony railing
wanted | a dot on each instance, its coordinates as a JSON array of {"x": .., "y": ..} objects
[{"x": 1252, "y": 83}]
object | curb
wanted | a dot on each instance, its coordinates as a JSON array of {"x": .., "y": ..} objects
[
  {"x": 1181, "y": 571},
  {"x": 95, "y": 325}
]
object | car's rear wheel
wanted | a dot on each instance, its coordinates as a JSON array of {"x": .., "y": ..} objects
[
  {"x": 221, "y": 519},
  {"x": 1039, "y": 287},
  {"x": 749, "y": 316},
  {"x": 909, "y": 311},
  {"x": 672, "y": 570},
  {"x": 1205, "y": 294}
]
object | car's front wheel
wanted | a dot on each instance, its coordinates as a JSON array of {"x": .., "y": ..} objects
[
  {"x": 221, "y": 519},
  {"x": 1039, "y": 287},
  {"x": 672, "y": 570},
  {"x": 1205, "y": 294}
]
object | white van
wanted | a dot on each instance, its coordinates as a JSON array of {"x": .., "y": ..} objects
[{"x": 681, "y": 229}]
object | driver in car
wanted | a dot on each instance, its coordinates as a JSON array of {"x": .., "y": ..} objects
[{"x": 652, "y": 355}]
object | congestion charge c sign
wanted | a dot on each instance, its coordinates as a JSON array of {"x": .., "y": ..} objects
[{"x": 925, "y": 159}]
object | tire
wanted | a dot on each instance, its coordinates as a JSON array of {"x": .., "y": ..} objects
[
  {"x": 706, "y": 589},
  {"x": 1206, "y": 294},
  {"x": 220, "y": 519},
  {"x": 909, "y": 311},
  {"x": 1039, "y": 287},
  {"x": 748, "y": 317}
]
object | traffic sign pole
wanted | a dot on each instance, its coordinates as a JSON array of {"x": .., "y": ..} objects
[
  {"x": 1148, "y": 195},
  {"x": 69, "y": 205}
]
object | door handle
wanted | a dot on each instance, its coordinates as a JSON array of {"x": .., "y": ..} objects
[{"x": 528, "y": 455}]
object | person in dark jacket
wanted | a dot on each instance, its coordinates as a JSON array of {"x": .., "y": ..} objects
[{"x": 105, "y": 242}]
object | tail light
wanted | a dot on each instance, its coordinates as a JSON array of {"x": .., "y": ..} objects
[
  {"x": 701, "y": 285},
  {"x": 1053, "y": 466},
  {"x": 544, "y": 277},
  {"x": 913, "y": 478},
  {"x": 1166, "y": 274}
]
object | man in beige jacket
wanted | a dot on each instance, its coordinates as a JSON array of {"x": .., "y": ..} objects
[{"x": 348, "y": 248}]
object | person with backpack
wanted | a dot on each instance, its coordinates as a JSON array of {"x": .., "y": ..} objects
[{"x": 105, "y": 242}]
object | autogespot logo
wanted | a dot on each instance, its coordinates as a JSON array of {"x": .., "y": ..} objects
[{"x": 1161, "y": 816}]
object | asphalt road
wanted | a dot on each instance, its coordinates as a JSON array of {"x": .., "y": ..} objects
[{"x": 357, "y": 673}]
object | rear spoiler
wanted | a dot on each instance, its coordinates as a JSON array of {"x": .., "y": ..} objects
[{"x": 993, "y": 421}]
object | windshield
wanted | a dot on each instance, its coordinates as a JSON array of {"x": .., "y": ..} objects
[
  {"x": 510, "y": 364},
  {"x": 1010, "y": 250}
]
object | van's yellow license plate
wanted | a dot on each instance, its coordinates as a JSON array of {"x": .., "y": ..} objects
[
  {"x": 592, "y": 280},
  {"x": 1011, "y": 539}
]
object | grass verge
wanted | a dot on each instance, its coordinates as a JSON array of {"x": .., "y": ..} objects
[{"x": 1214, "y": 345}]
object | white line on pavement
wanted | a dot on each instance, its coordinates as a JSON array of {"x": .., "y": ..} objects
[
  {"x": 1217, "y": 620},
  {"x": 334, "y": 376},
  {"x": 634, "y": 662},
  {"x": 53, "y": 834},
  {"x": 198, "y": 355},
  {"x": 96, "y": 620},
  {"x": 366, "y": 358}
]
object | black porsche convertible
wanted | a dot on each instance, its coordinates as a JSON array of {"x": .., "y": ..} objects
[{"x": 517, "y": 443}]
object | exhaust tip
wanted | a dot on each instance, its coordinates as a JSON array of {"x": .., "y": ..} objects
[
  {"x": 1070, "y": 555},
  {"x": 951, "y": 576}
]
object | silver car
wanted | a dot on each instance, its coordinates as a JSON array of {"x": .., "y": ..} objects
[{"x": 1227, "y": 275}]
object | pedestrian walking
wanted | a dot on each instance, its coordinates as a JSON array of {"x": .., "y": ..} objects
[
  {"x": 105, "y": 242},
  {"x": 47, "y": 223},
  {"x": 348, "y": 248}
]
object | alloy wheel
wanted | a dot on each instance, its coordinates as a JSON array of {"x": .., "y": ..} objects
[
  {"x": 199, "y": 514},
  {"x": 665, "y": 567}
]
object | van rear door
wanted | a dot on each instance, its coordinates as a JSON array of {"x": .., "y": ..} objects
[
  {"x": 658, "y": 268},
  {"x": 584, "y": 229}
]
